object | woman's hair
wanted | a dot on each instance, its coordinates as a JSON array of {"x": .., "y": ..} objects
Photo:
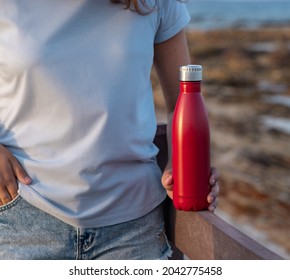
[{"x": 134, "y": 5}]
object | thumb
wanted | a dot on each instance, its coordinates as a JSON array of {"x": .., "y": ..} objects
[
  {"x": 167, "y": 179},
  {"x": 167, "y": 182}
]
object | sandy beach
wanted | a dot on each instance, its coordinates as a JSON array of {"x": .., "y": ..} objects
[{"x": 247, "y": 92}]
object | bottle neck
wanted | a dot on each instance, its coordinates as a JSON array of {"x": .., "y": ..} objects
[{"x": 190, "y": 86}]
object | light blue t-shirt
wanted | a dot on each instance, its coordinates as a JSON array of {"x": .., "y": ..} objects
[{"x": 76, "y": 104}]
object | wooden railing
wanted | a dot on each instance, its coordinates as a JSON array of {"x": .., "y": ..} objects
[{"x": 203, "y": 235}]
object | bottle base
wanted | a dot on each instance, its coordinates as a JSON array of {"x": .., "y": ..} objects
[{"x": 190, "y": 204}]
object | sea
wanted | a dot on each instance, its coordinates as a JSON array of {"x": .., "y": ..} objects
[{"x": 220, "y": 14}]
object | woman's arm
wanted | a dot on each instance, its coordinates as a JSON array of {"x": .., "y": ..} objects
[{"x": 168, "y": 57}]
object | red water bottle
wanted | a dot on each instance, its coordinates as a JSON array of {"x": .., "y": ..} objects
[{"x": 190, "y": 144}]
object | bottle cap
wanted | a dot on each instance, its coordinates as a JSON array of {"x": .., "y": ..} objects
[{"x": 190, "y": 73}]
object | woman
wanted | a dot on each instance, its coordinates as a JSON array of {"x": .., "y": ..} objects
[{"x": 78, "y": 176}]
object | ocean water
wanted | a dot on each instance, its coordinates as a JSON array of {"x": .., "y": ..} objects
[{"x": 220, "y": 14}]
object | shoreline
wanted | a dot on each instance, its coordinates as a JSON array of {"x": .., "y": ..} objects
[
  {"x": 239, "y": 26},
  {"x": 266, "y": 27}
]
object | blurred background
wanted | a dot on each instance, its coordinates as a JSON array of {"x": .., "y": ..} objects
[{"x": 244, "y": 48}]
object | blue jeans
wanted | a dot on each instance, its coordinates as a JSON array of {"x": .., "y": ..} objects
[{"x": 29, "y": 233}]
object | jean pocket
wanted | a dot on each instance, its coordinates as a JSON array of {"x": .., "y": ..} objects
[{"x": 10, "y": 204}]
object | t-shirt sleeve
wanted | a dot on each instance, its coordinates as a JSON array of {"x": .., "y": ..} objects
[{"x": 173, "y": 17}]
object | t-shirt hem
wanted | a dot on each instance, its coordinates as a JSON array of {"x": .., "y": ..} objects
[
  {"x": 129, "y": 215},
  {"x": 93, "y": 221}
]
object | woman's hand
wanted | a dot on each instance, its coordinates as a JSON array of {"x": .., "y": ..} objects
[
  {"x": 10, "y": 172},
  {"x": 212, "y": 198}
]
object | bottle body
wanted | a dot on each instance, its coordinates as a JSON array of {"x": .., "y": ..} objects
[{"x": 190, "y": 149}]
